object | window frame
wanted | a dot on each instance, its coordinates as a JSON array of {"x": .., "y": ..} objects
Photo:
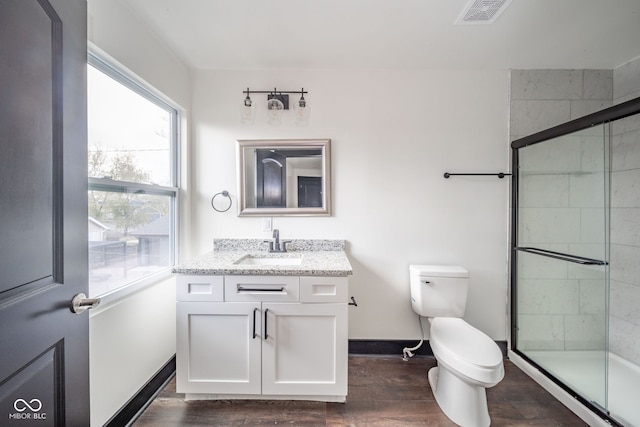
[{"x": 129, "y": 80}]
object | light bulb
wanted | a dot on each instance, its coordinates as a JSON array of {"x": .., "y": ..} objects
[
  {"x": 302, "y": 112},
  {"x": 275, "y": 107},
  {"x": 247, "y": 112}
]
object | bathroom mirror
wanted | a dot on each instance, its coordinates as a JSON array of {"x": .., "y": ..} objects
[{"x": 284, "y": 177}]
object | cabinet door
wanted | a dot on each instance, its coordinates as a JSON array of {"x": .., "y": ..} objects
[
  {"x": 306, "y": 349},
  {"x": 218, "y": 348}
]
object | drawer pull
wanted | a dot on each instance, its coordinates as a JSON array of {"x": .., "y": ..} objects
[{"x": 241, "y": 289}]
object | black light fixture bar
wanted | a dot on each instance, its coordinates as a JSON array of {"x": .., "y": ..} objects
[
  {"x": 274, "y": 91},
  {"x": 280, "y": 95}
]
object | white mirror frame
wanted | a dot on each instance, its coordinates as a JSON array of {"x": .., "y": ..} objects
[{"x": 323, "y": 144}]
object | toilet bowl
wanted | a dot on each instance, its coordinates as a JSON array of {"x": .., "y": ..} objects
[
  {"x": 468, "y": 363},
  {"x": 468, "y": 360}
]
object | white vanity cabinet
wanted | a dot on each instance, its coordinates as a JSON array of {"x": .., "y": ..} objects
[{"x": 275, "y": 337}]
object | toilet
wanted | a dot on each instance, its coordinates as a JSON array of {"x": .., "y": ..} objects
[{"x": 468, "y": 360}]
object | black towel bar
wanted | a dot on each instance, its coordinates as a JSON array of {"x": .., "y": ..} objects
[{"x": 499, "y": 174}]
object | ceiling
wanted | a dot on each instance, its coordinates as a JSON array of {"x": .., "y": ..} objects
[{"x": 263, "y": 34}]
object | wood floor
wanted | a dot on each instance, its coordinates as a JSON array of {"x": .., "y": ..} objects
[{"x": 383, "y": 391}]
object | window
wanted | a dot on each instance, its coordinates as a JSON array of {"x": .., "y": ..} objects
[{"x": 132, "y": 164}]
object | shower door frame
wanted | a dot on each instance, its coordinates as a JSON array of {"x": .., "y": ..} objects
[{"x": 602, "y": 117}]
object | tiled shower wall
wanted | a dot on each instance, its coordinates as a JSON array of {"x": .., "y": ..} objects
[
  {"x": 560, "y": 305},
  {"x": 624, "y": 315},
  {"x": 569, "y": 314},
  {"x": 541, "y": 99}
]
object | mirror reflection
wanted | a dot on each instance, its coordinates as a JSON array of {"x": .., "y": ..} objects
[{"x": 284, "y": 177}]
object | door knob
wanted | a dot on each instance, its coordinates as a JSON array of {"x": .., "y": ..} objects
[{"x": 80, "y": 303}]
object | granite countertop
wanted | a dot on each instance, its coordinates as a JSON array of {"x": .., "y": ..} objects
[{"x": 318, "y": 258}]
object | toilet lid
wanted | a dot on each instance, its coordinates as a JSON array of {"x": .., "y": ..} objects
[{"x": 464, "y": 342}]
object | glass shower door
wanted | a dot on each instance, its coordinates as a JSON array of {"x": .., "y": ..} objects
[{"x": 561, "y": 291}]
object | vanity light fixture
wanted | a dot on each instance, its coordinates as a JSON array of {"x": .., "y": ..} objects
[{"x": 277, "y": 103}]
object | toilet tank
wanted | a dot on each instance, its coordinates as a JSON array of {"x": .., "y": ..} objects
[{"x": 439, "y": 290}]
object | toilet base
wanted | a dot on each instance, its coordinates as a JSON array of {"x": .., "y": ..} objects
[{"x": 463, "y": 403}]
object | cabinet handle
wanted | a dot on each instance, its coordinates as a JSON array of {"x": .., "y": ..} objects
[
  {"x": 241, "y": 289},
  {"x": 266, "y": 335},
  {"x": 254, "y": 323}
]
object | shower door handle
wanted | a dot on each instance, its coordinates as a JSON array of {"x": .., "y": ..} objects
[{"x": 562, "y": 256}]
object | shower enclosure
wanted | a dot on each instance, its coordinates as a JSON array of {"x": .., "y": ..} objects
[{"x": 575, "y": 272}]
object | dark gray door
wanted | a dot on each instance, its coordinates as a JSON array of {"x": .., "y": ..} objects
[
  {"x": 271, "y": 178},
  {"x": 309, "y": 192},
  {"x": 44, "y": 357}
]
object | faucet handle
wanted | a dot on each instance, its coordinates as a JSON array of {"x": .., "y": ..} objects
[
  {"x": 283, "y": 245},
  {"x": 270, "y": 242}
]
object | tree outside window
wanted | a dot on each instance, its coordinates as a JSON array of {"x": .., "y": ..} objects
[{"x": 132, "y": 180}]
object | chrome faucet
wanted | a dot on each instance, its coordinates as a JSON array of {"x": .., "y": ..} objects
[{"x": 276, "y": 245}]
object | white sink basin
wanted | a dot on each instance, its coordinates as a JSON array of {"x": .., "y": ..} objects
[{"x": 268, "y": 260}]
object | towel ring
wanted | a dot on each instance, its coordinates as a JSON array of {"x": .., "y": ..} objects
[{"x": 224, "y": 193}]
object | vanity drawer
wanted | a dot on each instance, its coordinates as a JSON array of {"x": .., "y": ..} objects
[
  {"x": 324, "y": 289},
  {"x": 262, "y": 288},
  {"x": 199, "y": 288}
]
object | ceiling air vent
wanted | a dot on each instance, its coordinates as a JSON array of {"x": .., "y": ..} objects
[{"x": 482, "y": 11}]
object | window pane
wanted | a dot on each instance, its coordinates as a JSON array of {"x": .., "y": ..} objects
[
  {"x": 130, "y": 236},
  {"x": 129, "y": 136}
]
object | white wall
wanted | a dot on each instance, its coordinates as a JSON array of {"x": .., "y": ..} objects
[
  {"x": 115, "y": 29},
  {"x": 133, "y": 337},
  {"x": 394, "y": 133},
  {"x": 130, "y": 340}
]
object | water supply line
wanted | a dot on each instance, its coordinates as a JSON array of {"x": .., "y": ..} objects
[{"x": 407, "y": 352}]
